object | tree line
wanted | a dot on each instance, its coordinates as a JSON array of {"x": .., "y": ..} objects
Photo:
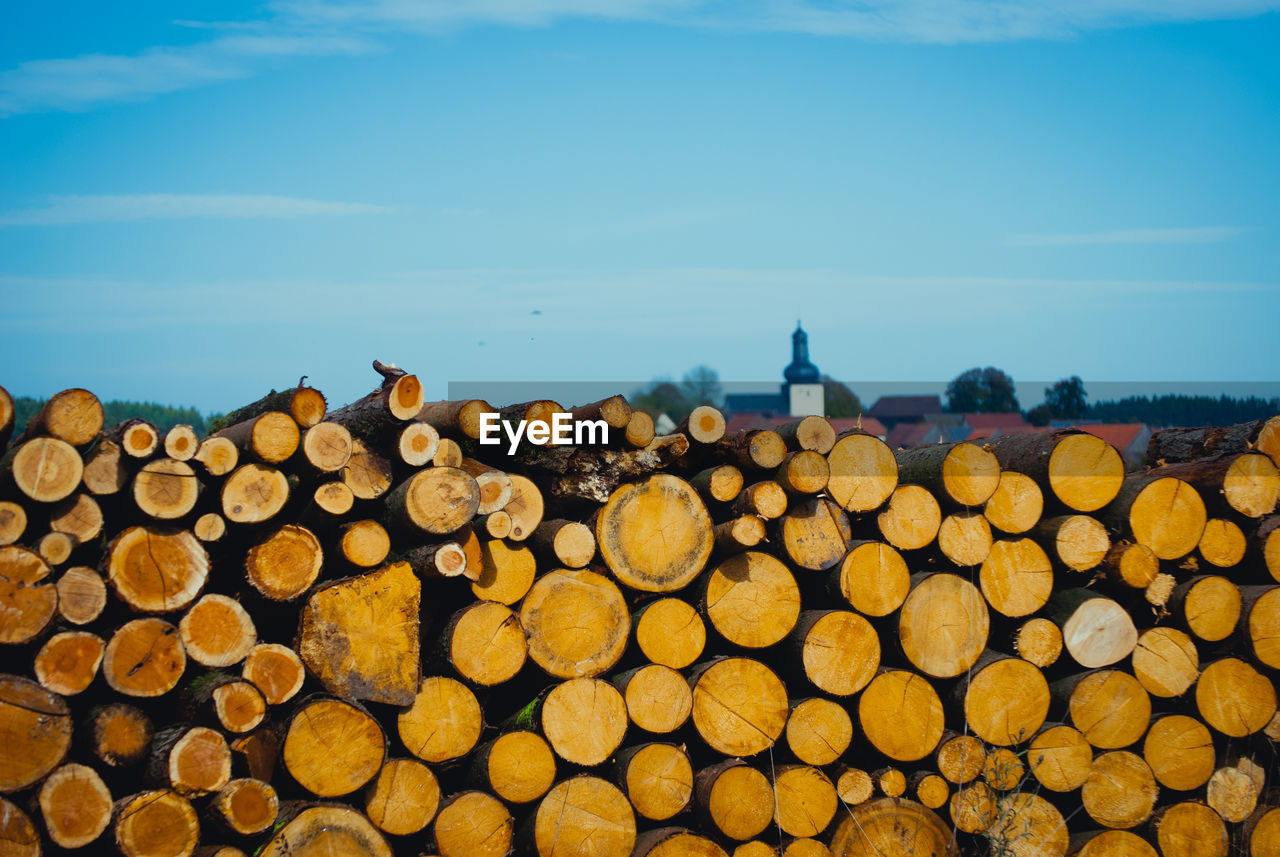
[{"x": 164, "y": 417}]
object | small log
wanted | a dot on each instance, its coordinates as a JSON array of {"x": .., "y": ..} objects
[
  {"x": 75, "y": 804},
  {"x": 137, "y": 438},
  {"x": 326, "y": 447},
  {"x": 1017, "y": 578},
  {"x": 283, "y": 565},
  {"x": 275, "y": 670},
  {"x": 28, "y": 597},
  {"x": 6, "y": 422},
  {"x": 572, "y": 544},
  {"x": 839, "y": 651},
  {"x": 739, "y": 706},
  {"x": 105, "y": 471},
  {"x": 68, "y": 662},
  {"x": 45, "y": 469},
  {"x": 359, "y": 636},
  {"x": 35, "y": 726},
  {"x": 271, "y": 437},
  {"x": 1261, "y": 830},
  {"x": 496, "y": 525},
  {"x": 120, "y": 734},
  {"x": 398, "y": 399},
  {"x": 317, "y": 829},
  {"x": 805, "y": 800},
  {"x": 56, "y": 548},
  {"x": 1132, "y": 565},
  {"x": 367, "y": 473},
  {"x": 506, "y": 571},
  {"x": 473, "y": 824},
  {"x": 657, "y": 779},
  {"x": 640, "y": 430},
  {"x": 238, "y": 705},
  {"x": 218, "y": 455},
  {"x": 1110, "y": 843},
  {"x": 615, "y": 411},
  {"x": 960, "y": 758},
  {"x": 181, "y": 443},
  {"x": 1162, "y": 512},
  {"x": 656, "y": 535},
  {"x": 261, "y": 752},
  {"x": 765, "y": 499},
  {"x": 417, "y": 444},
  {"x": 584, "y": 815},
  {"x": 333, "y": 747},
  {"x": 739, "y": 534},
  {"x": 864, "y": 472},
  {"x": 1165, "y": 661},
  {"x": 721, "y": 483},
  {"x": 305, "y": 404},
  {"x": 333, "y": 498},
  {"x": 1060, "y": 758},
  {"x": 1234, "y": 698},
  {"x": 892, "y": 827},
  {"x": 82, "y": 595},
  {"x": 912, "y": 518},
  {"x": 1006, "y": 700},
  {"x": 965, "y": 538},
  {"x": 1084, "y": 472},
  {"x": 596, "y": 639},
  {"x": 1120, "y": 791},
  {"x": 160, "y": 823},
  {"x": 658, "y": 698},
  {"x": 901, "y": 715},
  {"x": 854, "y": 786},
  {"x": 457, "y": 418},
  {"x": 157, "y": 569},
  {"x": 436, "y": 501},
  {"x": 73, "y": 416},
  {"x": 1003, "y": 769},
  {"x": 442, "y": 559},
  {"x": 819, "y": 731},
  {"x": 1208, "y": 606},
  {"x": 144, "y": 658},
  {"x": 812, "y": 432},
  {"x": 943, "y": 624},
  {"x": 495, "y": 486},
  {"x": 1223, "y": 543},
  {"x": 815, "y": 533},
  {"x": 873, "y": 578},
  {"x": 517, "y": 766},
  {"x": 736, "y": 797},
  {"x": 1260, "y": 622},
  {"x": 1180, "y": 752},
  {"x": 1027, "y": 824},
  {"x": 1233, "y": 790},
  {"x": 246, "y": 806},
  {"x": 444, "y": 721},
  {"x": 1079, "y": 542},
  {"x": 525, "y": 507},
  {"x": 973, "y": 808},
  {"x": 704, "y": 425},
  {"x": 584, "y": 720},
  {"x": 929, "y": 789},
  {"x": 79, "y": 516},
  {"x": 1109, "y": 707},
  {"x": 1016, "y": 505},
  {"x": 676, "y": 842},
  {"x": 1096, "y": 631},
  {"x": 403, "y": 798},
  {"x": 754, "y": 449},
  {"x": 364, "y": 544},
  {"x": 959, "y": 474},
  {"x": 13, "y": 522},
  {"x": 193, "y": 761},
  {"x": 485, "y": 643},
  {"x": 670, "y": 632},
  {"x": 254, "y": 493},
  {"x": 1190, "y": 829},
  {"x": 752, "y": 600}
]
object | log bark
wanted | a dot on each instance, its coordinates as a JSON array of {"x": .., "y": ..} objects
[
  {"x": 812, "y": 432},
  {"x": 1082, "y": 471},
  {"x": 305, "y": 404},
  {"x": 158, "y": 823},
  {"x": 28, "y": 597},
  {"x": 615, "y": 411},
  {"x": 863, "y": 472},
  {"x": 75, "y": 805},
  {"x": 657, "y": 779},
  {"x": 943, "y": 624},
  {"x": 901, "y": 715},
  {"x": 1247, "y": 483},
  {"x": 333, "y": 747},
  {"x": 1175, "y": 445},
  {"x": 753, "y": 449},
  {"x": 911, "y": 519},
  {"x": 670, "y": 632},
  {"x": 571, "y": 544},
  {"x": 359, "y": 636},
  {"x": 403, "y": 798},
  {"x": 656, "y": 535},
  {"x": 720, "y": 484},
  {"x": 35, "y": 730},
  {"x": 739, "y": 706},
  {"x": 6, "y": 418},
  {"x": 144, "y": 658},
  {"x": 157, "y": 569},
  {"x": 398, "y": 399},
  {"x": 271, "y": 437},
  {"x": 444, "y": 721},
  {"x": 1016, "y": 505},
  {"x": 739, "y": 534},
  {"x": 461, "y": 418}
]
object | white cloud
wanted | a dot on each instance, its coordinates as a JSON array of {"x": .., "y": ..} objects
[
  {"x": 1194, "y": 235},
  {"x": 325, "y": 28},
  {"x": 64, "y": 210}
]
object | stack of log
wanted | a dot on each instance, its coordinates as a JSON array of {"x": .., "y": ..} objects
[{"x": 360, "y": 631}]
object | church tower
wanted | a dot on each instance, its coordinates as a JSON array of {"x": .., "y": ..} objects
[{"x": 803, "y": 388}]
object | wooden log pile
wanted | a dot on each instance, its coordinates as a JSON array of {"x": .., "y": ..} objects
[{"x": 361, "y": 631}]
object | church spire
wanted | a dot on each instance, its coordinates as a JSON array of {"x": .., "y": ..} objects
[{"x": 801, "y": 371}]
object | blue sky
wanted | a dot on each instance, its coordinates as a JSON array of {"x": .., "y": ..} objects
[{"x": 200, "y": 201}]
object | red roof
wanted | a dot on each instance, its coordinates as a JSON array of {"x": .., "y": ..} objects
[
  {"x": 906, "y": 406},
  {"x": 758, "y": 421},
  {"x": 910, "y": 434},
  {"x": 1008, "y": 422},
  {"x": 1119, "y": 435},
  {"x": 870, "y": 425}
]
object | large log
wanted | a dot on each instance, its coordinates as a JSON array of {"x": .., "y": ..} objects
[
  {"x": 1082, "y": 471},
  {"x": 1016, "y": 505},
  {"x": 584, "y": 720},
  {"x": 584, "y": 816},
  {"x": 1120, "y": 791},
  {"x": 1190, "y": 829},
  {"x": 819, "y": 731},
  {"x": 403, "y": 798},
  {"x": 484, "y": 642},
  {"x": 670, "y": 632},
  {"x": 943, "y": 624},
  {"x": 960, "y": 474},
  {"x": 75, "y": 805},
  {"x": 739, "y": 706},
  {"x": 73, "y": 416},
  {"x": 752, "y": 600},
  {"x": 158, "y": 823},
  {"x": 1180, "y": 752},
  {"x": 1175, "y": 445},
  {"x": 323, "y": 829},
  {"x": 1109, "y": 707},
  {"x": 1162, "y": 512},
  {"x": 45, "y": 469},
  {"x": 863, "y": 472},
  {"x": 444, "y": 721},
  {"x": 333, "y": 747},
  {"x": 517, "y": 766},
  {"x": 1006, "y": 700},
  {"x": 28, "y": 598},
  {"x": 156, "y": 569},
  {"x": 656, "y": 535},
  {"x": 657, "y": 779},
  {"x": 35, "y": 730},
  {"x": 658, "y": 698},
  {"x": 144, "y": 658},
  {"x": 901, "y": 715},
  {"x": 595, "y": 640},
  {"x": 736, "y": 798},
  {"x": 873, "y": 578},
  {"x": 1016, "y": 577},
  {"x": 892, "y": 827},
  {"x": 839, "y": 651}
]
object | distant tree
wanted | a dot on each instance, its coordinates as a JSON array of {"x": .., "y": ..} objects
[
  {"x": 1179, "y": 410},
  {"x": 838, "y": 400},
  {"x": 1067, "y": 399},
  {"x": 982, "y": 391},
  {"x": 1040, "y": 415},
  {"x": 701, "y": 386},
  {"x": 662, "y": 396},
  {"x": 164, "y": 417}
]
